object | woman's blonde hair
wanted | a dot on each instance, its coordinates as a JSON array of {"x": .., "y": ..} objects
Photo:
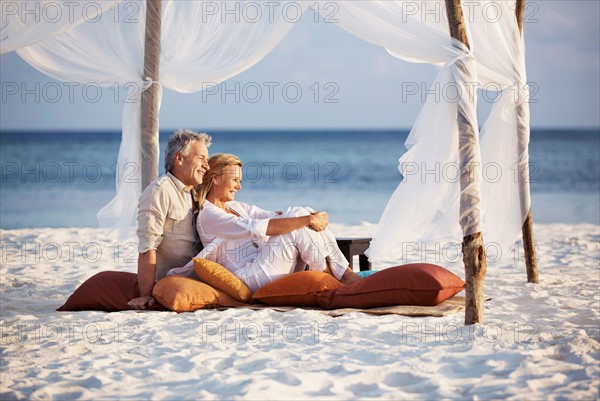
[{"x": 217, "y": 164}]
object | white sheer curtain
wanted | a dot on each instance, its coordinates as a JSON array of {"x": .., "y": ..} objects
[
  {"x": 105, "y": 51},
  {"x": 203, "y": 44},
  {"x": 27, "y": 22},
  {"x": 424, "y": 211},
  {"x": 208, "y": 42},
  {"x": 90, "y": 44},
  {"x": 504, "y": 148},
  {"x": 425, "y": 208}
]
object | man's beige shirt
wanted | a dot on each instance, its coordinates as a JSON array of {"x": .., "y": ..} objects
[{"x": 165, "y": 223}]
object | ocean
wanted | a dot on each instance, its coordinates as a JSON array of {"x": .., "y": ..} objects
[{"x": 57, "y": 179}]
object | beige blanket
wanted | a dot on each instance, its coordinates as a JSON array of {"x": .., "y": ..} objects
[{"x": 452, "y": 305}]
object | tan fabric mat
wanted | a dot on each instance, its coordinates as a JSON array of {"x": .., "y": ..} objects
[{"x": 448, "y": 307}]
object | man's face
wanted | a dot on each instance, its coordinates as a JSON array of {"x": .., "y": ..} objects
[{"x": 190, "y": 167}]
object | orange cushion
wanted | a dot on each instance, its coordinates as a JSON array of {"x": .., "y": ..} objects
[
  {"x": 183, "y": 294},
  {"x": 222, "y": 279},
  {"x": 297, "y": 289},
  {"x": 106, "y": 291},
  {"x": 412, "y": 284}
]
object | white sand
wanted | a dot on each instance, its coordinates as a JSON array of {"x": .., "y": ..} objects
[{"x": 538, "y": 341}]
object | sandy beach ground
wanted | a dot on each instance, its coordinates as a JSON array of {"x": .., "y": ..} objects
[{"x": 538, "y": 342}]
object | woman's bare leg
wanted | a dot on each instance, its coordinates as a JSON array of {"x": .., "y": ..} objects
[{"x": 349, "y": 276}]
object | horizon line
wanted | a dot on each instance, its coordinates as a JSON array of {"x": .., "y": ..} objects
[{"x": 256, "y": 130}]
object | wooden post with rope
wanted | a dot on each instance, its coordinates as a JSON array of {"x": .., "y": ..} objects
[
  {"x": 150, "y": 97},
  {"x": 472, "y": 247},
  {"x": 524, "y": 190}
]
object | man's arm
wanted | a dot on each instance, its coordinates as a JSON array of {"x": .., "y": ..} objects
[
  {"x": 152, "y": 213},
  {"x": 146, "y": 278}
]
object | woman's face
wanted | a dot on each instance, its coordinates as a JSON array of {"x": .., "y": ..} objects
[{"x": 228, "y": 183}]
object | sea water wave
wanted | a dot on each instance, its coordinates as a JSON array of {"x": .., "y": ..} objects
[{"x": 56, "y": 179}]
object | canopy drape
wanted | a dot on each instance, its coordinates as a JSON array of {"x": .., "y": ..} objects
[
  {"x": 421, "y": 216},
  {"x": 201, "y": 47},
  {"x": 31, "y": 21}
]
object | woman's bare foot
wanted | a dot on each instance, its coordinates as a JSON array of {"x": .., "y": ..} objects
[{"x": 350, "y": 277}]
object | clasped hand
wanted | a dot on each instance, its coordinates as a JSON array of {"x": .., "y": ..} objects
[{"x": 319, "y": 221}]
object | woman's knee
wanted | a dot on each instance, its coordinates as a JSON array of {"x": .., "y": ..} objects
[{"x": 298, "y": 211}]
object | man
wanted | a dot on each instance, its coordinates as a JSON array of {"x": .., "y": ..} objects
[{"x": 165, "y": 231}]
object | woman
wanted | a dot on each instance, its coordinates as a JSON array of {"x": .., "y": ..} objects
[{"x": 259, "y": 246}]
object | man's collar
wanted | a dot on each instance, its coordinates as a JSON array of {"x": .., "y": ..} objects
[{"x": 178, "y": 184}]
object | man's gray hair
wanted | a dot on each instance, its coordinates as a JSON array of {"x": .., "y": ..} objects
[{"x": 179, "y": 141}]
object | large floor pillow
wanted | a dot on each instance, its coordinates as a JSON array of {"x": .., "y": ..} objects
[
  {"x": 296, "y": 289},
  {"x": 412, "y": 284},
  {"x": 106, "y": 291}
]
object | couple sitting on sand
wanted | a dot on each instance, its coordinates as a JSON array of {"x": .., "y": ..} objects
[{"x": 256, "y": 245}]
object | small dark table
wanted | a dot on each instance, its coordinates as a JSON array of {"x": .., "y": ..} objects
[{"x": 355, "y": 246}]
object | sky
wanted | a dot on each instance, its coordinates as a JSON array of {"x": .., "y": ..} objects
[{"x": 345, "y": 83}]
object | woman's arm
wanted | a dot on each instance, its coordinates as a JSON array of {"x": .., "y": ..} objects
[
  {"x": 254, "y": 211},
  {"x": 317, "y": 221},
  {"x": 214, "y": 222}
]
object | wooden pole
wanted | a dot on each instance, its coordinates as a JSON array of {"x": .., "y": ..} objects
[
  {"x": 519, "y": 11},
  {"x": 151, "y": 96},
  {"x": 524, "y": 190},
  {"x": 472, "y": 246}
]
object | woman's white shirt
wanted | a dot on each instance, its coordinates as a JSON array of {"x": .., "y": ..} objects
[{"x": 241, "y": 235}]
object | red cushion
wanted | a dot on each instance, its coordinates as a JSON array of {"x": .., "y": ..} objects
[
  {"x": 297, "y": 289},
  {"x": 106, "y": 291},
  {"x": 413, "y": 284}
]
